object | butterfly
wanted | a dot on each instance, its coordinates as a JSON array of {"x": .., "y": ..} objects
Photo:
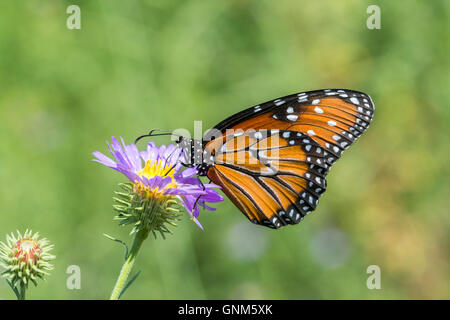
[{"x": 271, "y": 160}]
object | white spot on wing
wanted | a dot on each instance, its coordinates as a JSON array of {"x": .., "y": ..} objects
[
  {"x": 318, "y": 110},
  {"x": 354, "y": 100}
]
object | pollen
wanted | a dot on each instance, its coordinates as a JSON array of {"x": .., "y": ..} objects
[{"x": 154, "y": 169}]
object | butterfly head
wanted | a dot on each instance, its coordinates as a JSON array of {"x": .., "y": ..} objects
[{"x": 193, "y": 153}]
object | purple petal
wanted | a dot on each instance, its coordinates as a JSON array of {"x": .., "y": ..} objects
[{"x": 101, "y": 158}]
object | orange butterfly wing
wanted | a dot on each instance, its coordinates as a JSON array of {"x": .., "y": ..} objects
[
  {"x": 271, "y": 160},
  {"x": 274, "y": 180}
]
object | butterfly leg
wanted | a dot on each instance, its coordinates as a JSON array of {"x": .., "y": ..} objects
[
  {"x": 201, "y": 183},
  {"x": 204, "y": 188}
]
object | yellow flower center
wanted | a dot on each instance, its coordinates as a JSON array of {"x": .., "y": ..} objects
[{"x": 152, "y": 170}]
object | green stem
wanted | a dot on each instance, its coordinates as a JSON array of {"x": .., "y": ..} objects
[
  {"x": 128, "y": 265},
  {"x": 22, "y": 291}
]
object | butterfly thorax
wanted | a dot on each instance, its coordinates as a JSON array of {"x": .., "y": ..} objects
[{"x": 195, "y": 155}]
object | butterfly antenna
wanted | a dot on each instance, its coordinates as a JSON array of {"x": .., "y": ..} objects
[{"x": 153, "y": 134}]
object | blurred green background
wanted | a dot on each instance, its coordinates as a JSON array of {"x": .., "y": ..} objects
[{"x": 136, "y": 65}]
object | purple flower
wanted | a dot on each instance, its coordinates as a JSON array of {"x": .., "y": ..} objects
[{"x": 156, "y": 172}]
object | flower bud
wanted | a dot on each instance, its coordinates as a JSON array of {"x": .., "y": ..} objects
[{"x": 25, "y": 258}]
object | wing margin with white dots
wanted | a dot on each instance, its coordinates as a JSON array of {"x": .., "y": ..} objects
[{"x": 335, "y": 118}]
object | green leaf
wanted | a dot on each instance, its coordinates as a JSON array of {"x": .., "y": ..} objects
[
  {"x": 14, "y": 289},
  {"x": 119, "y": 241},
  {"x": 129, "y": 283}
]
